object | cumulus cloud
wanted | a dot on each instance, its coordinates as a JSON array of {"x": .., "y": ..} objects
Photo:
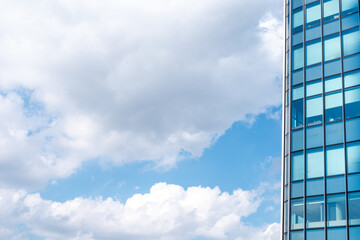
[
  {"x": 166, "y": 212},
  {"x": 126, "y": 81}
]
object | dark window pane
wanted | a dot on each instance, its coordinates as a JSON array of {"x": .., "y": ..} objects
[
  {"x": 350, "y": 21},
  {"x": 352, "y": 102},
  {"x": 314, "y": 187},
  {"x": 336, "y": 211},
  {"x": 331, "y": 27},
  {"x": 315, "y": 212},
  {"x": 297, "y": 77},
  {"x": 297, "y": 189},
  {"x": 354, "y": 182},
  {"x": 334, "y": 133},
  {"x": 332, "y": 68},
  {"x": 296, "y": 3},
  {"x": 297, "y": 38},
  {"x": 297, "y": 113},
  {"x": 335, "y": 184},
  {"x": 353, "y": 157},
  {"x": 313, "y": 72},
  {"x": 314, "y": 137},
  {"x": 313, "y": 33},
  {"x": 333, "y": 106},
  {"x": 354, "y": 206},
  {"x": 352, "y": 130},
  {"x": 297, "y": 140}
]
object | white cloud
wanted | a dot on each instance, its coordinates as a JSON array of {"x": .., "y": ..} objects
[
  {"x": 127, "y": 81},
  {"x": 166, "y": 212}
]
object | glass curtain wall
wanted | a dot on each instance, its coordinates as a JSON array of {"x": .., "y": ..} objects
[{"x": 321, "y": 152}]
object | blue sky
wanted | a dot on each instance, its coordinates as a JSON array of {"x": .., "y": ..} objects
[{"x": 140, "y": 120}]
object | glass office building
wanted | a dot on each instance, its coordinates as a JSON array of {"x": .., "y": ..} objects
[{"x": 321, "y": 134}]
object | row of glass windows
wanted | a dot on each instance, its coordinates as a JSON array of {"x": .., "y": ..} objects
[
  {"x": 332, "y": 49},
  {"x": 332, "y": 234}
]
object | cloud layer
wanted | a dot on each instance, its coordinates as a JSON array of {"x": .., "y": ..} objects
[
  {"x": 166, "y": 212},
  {"x": 127, "y": 81}
]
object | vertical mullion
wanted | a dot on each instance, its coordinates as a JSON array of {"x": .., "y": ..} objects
[{"x": 304, "y": 115}]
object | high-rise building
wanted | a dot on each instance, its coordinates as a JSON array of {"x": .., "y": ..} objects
[{"x": 321, "y": 134}]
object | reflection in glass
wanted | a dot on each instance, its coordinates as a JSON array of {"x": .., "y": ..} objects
[
  {"x": 335, "y": 160},
  {"x": 314, "y": 187},
  {"x": 315, "y": 212},
  {"x": 314, "y": 110},
  {"x": 297, "y": 110},
  {"x": 336, "y": 234},
  {"x": 332, "y": 47},
  {"x": 353, "y": 157},
  {"x": 334, "y": 133},
  {"x": 315, "y": 163},
  {"x": 316, "y": 234},
  {"x": 335, "y": 184},
  {"x": 314, "y": 137},
  {"x": 336, "y": 211},
  {"x": 297, "y": 214},
  {"x": 352, "y": 102},
  {"x": 351, "y": 41},
  {"x": 333, "y": 106},
  {"x": 333, "y": 83},
  {"x": 297, "y": 166},
  {"x": 354, "y": 206}
]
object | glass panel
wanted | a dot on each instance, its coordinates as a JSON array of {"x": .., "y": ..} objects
[
  {"x": 352, "y": 78},
  {"x": 335, "y": 160},
  {"x": 335, "y": 184},
  {"x": 348, "y": 5},
  {"x": 331, "y": 27},
  {"x": 298, "y": 38},
  {"x": 353, "y": 157},
  {"x": 313, "y": 14},
  {"x": 332, "y": 68},
  {"x": 296, "y": 3},
  {"x": 297, "y": 166},
  {"x": 313, "y": 72},
  {"x": 352, "y": 102},
  {"x": 298, "y": 57},
  {"x": 333, "y": 83},
  {"x": 314, "y": 110},
  {"x": 286, "y": 170},
  {"x": 297, "y": 214},
  {"x": 285, "y": 217},
  {"x": 297, "y": 77},
  {"x": 286, "y": 192},
  {"x": 297, "y": 113},
  {"x": 336, "y": 234},
  {"x": 314, "y": 187},
  {"x": 313, "y": 33},
  {"x": 298, "y": 235},
  {"x": 313, "y": 88},
  {"x": 332, "y": 47},
  {"x": 297, "y": 189},
  {"x": 317, "y": 234},
  {"x": 354, "y": 233},
  {"x": 353, "y": 182},
  {"x": 336, "y": 211},
  {"x": 354, "y": 206},
  {"x": 350, "y": 21},
  {"x": 331, "y": 9},
  {"x": 315, "y": 212},
  {"x": 352, "y": 130},
  {"x": 314, "y": 137},
  {"x": 313, "y": 52},
  {"x": 334, "y": 133},
  {"x": 333, "y": 107},
  {"x": 297, "y": 20},
  {"x": 297, "y": 140},
  {"x": 351, "y": 41},
  {"x": 297, "y": 92},
  {"x": 315, "y": 163},
  {"x": 352, "y": 62}
]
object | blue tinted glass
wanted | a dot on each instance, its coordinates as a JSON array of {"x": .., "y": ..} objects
[
  {"x": 352, "y": 102},
  {"x": 315, "y": 163},
  {"x": 297, "y": 140},
  {"x": 297, "y": 92},
  {"x": 336, "y": 234},
  {"x": 332, "y": 47},
  {"x": 313, "y": 33},
  {"x": 297, "y": 77},
  {"x": 313, "y": 72},
  {"x": 333, "y": 83},
  {"x": 331, "y": 27},
  {"x": 353, "y": 182},
  {"x": 297, "y": 166},
  {"x": 297, "y": 214},
  {"x": 348, "y": 5},
  {"x": 313, "y": 52},
  {"x": 350, "y": 21},
  {"x": 314, "y": 137},
  {"x": 296, "y": 3},
  {"x": 314, "y": 88},
  {"x": 298, "y": 38},
  {"x": 352, "y": 130},
  {"x": 332, "y": 68},
  {"x": 315, "y": 212},
  {"x": 297, "y": 58},
  {"x": 351, "y": 41},
  {"x": 297, "y": 189},
  {"x": 297, "y": 19},
  {"x": 313, "y": 14},
  {"x": 314, "y": 187},
  {"x": 297, "y": 113},
  {"x": 353, "y": 157},
  {"x": 336, "y": 211},
  {"x": 354, "y": 213},
  {"x": 352, "y": 78},
  {"x": 334, "y": 133},
  {"x": 352, "y": 62},
  {"x": 298, "y": 235},
  {"x": 335, "y": 184},
  {"x": 333, "y": 106},
  {"x": 317, "y": 234},
  {"x": 314, "y": 110},
  {"x": 331, "y": 9},
  {"x": 335, "y": 160}
]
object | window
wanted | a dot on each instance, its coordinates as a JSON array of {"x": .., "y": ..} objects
[
  {"x": 297, "y": 166},
  {"x": 297, "y": 113},
  {"x": 333, "y": 106},
  {"x": 297, "y": 38},
  {"x": 353, "y": 182},
  {"x": 314, "y": 88},
  {"x": 297, "y": 92},
  {"x": 352, "y": 102},
  {"x": 297, "y": 57},
  {"x": 313, "y": 33},
  {"x": 332, "y": 47},
  {"x": 334, "y": 133},
  {"x": 349, "y": 6},
  {"x": 297, "y": 189},
  {"x": 297, "y": 77},
  {"x": 313, "y": 14},
  {"x": 315, "y": 234},
  {"x": 313, "y": 72},
  {"x": 297, "y": 140},
  {"x": 296, "y": 3},
  {"x": 297, "y": 235},
  {"x": 336, "y": 233},
  {"x": 351, "y": 41},
  {"x": 335, "y": 160},
  {"x": 285, "y": 217},
  {"x": 353, "y": 159},
  {"x": 354, "y": 233},
  {"x": 297, "y": 20},
  {"x": 351, "y": 62},
  {"x": 331, "y": 27},
  {"x": 336, "y": 211},
  {"x": 350, "y": 21},
  {"x": 315, "y": 163},
  {"x": 332, "y": 68},
  {"x": 315, "y": 212},
  {"x": 313, "y": 52},
  {"x": 314, "y": 187},
  {"x": 335, "y": 184},
  {"x": 352, "y": 129},
  {"x": 286, "y": 170},
  {"x": 354, "y": 205},
  {"x": 331, "y": 9},
  {"x": 333, "y": 83},
  {"x": 297, "y": 214},
  {"x": 352, "y": 78},
  {"x": 314, "y": 110},
  {"x": 314, "y": 137}
]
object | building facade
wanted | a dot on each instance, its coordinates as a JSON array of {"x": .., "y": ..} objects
[{"x": 321, "y": 133}]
